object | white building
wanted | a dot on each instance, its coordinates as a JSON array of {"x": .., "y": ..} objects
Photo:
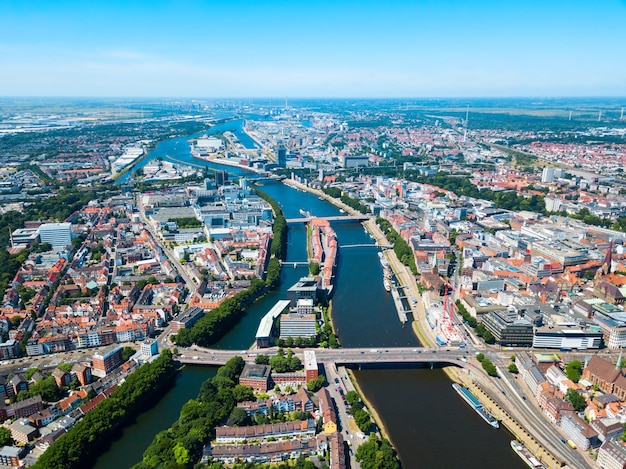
[
  {"x": 547, "y": 175},
  {"x": 59, "y": 235}
]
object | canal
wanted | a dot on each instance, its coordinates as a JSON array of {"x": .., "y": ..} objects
[{"x": 429, "y": 425}]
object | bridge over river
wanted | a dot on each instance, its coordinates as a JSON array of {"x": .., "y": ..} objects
[
  {"x": 341, "y": 356},
  {"x": 337, "y": 218}
]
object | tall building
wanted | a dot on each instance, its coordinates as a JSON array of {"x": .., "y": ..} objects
[
  {"x": 547, "y": 175},
  {"x": 58, "y": 235},
  {"x": 281, "y": 158},
  {"x": 221, "y": 177},
  {"x": 107, "y": 360}
]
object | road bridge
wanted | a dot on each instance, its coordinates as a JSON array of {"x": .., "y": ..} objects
[{"x": 351, "y": 357}]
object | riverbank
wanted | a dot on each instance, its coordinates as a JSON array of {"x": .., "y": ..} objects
[{"x": 370, "y": 408}]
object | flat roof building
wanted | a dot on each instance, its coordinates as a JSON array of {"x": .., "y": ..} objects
[
  {"x": 107, "y": 360},
  {"x": 264, "y": 332},
  {"x": 311, "y": 369},
  {"x": 255, "y": 376},
  {"x": 59, "y": 235}
]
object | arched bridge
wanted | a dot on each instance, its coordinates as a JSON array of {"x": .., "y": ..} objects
[{"x": 341, "y": 356}]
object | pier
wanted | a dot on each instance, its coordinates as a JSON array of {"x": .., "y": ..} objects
[{"x": 397, "y": 299}]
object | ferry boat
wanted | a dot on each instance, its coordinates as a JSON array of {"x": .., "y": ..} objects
[
  {"x": 304, "y": 213},
  {"x": 383, "y": 260},
  {"x": 476, "y": 405},
  {"x": 526, "y": 455}
]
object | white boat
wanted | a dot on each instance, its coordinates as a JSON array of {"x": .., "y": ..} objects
[
  {"x": 383, "y": 260},
  {"x": 526, "y": 455},
  {"x": 387, "y": 284}
]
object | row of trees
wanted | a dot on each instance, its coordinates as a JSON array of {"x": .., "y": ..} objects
[
  {"x": 78, "y": 447},
  {"x": 400, "y": 247},
  {"x": 280, "y": 362},
  {"x": 357, "y": 410},
  {"x": 279, "y": 228},
  {"x": 337, "y": 193},
  {"x": 214, "y": 324},
  {"x": 180, "y": 446},
  {"x": 487, "y": 365}
]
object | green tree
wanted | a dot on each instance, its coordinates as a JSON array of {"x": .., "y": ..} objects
[
  {"x": 573, "y": 370},
  {"x": 376, "y": 453},
  {"x": 362, "y": 419},
  {"x": 315, "y": 384},
  {"x": 577, "y": 401},
  {"x": 181, "y": 454},
  {"x": 513, "y": 368},
  {"x": 67, "y": 367},
  {"x": 239, "y": 417},
  {"x": 243, "y": 393},
  {"x": 262, "y": 359},
  {"x": 127, "y": 352},
  {"x": 489, "y": 367},
  {"x": 5, "y": 437},
  {"x": 30, "y": 372},
  {"x": 480, "y": 357}
]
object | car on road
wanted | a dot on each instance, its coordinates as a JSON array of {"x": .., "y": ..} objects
[{"x": 336, "y": 380}]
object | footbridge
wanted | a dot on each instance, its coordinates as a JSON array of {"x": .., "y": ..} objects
[
  {"x": 366, "y": 245},
  {"x": 342, "y": 356},
  {"x": 338, "y": 218}
]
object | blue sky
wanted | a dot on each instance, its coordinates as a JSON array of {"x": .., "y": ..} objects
[{"x": 338, "y": 48}]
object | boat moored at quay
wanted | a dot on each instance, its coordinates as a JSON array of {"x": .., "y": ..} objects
[
  {"x": 476, "y": 405},
  {"x": 526, "y": 455}
]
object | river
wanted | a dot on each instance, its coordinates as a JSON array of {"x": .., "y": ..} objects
[{"x": 428, "y": 423}]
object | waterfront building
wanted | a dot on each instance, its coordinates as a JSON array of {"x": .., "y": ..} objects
[
  {"x": 59, "y": 235},
  {"x": 579, "y": 431},
  {"x": 306, "y": 287},
  {"x": 264, "y": 332},
  {"x": 107, "y": 360},
  {"x": 298, "y": 325},
  {"x": 187, "y": 319},
  {"x": 255, "y": 376}
]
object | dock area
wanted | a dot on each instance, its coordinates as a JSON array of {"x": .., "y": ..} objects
[{"x": 395, "y": 294}]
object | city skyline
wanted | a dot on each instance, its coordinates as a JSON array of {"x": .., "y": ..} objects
[{"x": 344, "y": 49}]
